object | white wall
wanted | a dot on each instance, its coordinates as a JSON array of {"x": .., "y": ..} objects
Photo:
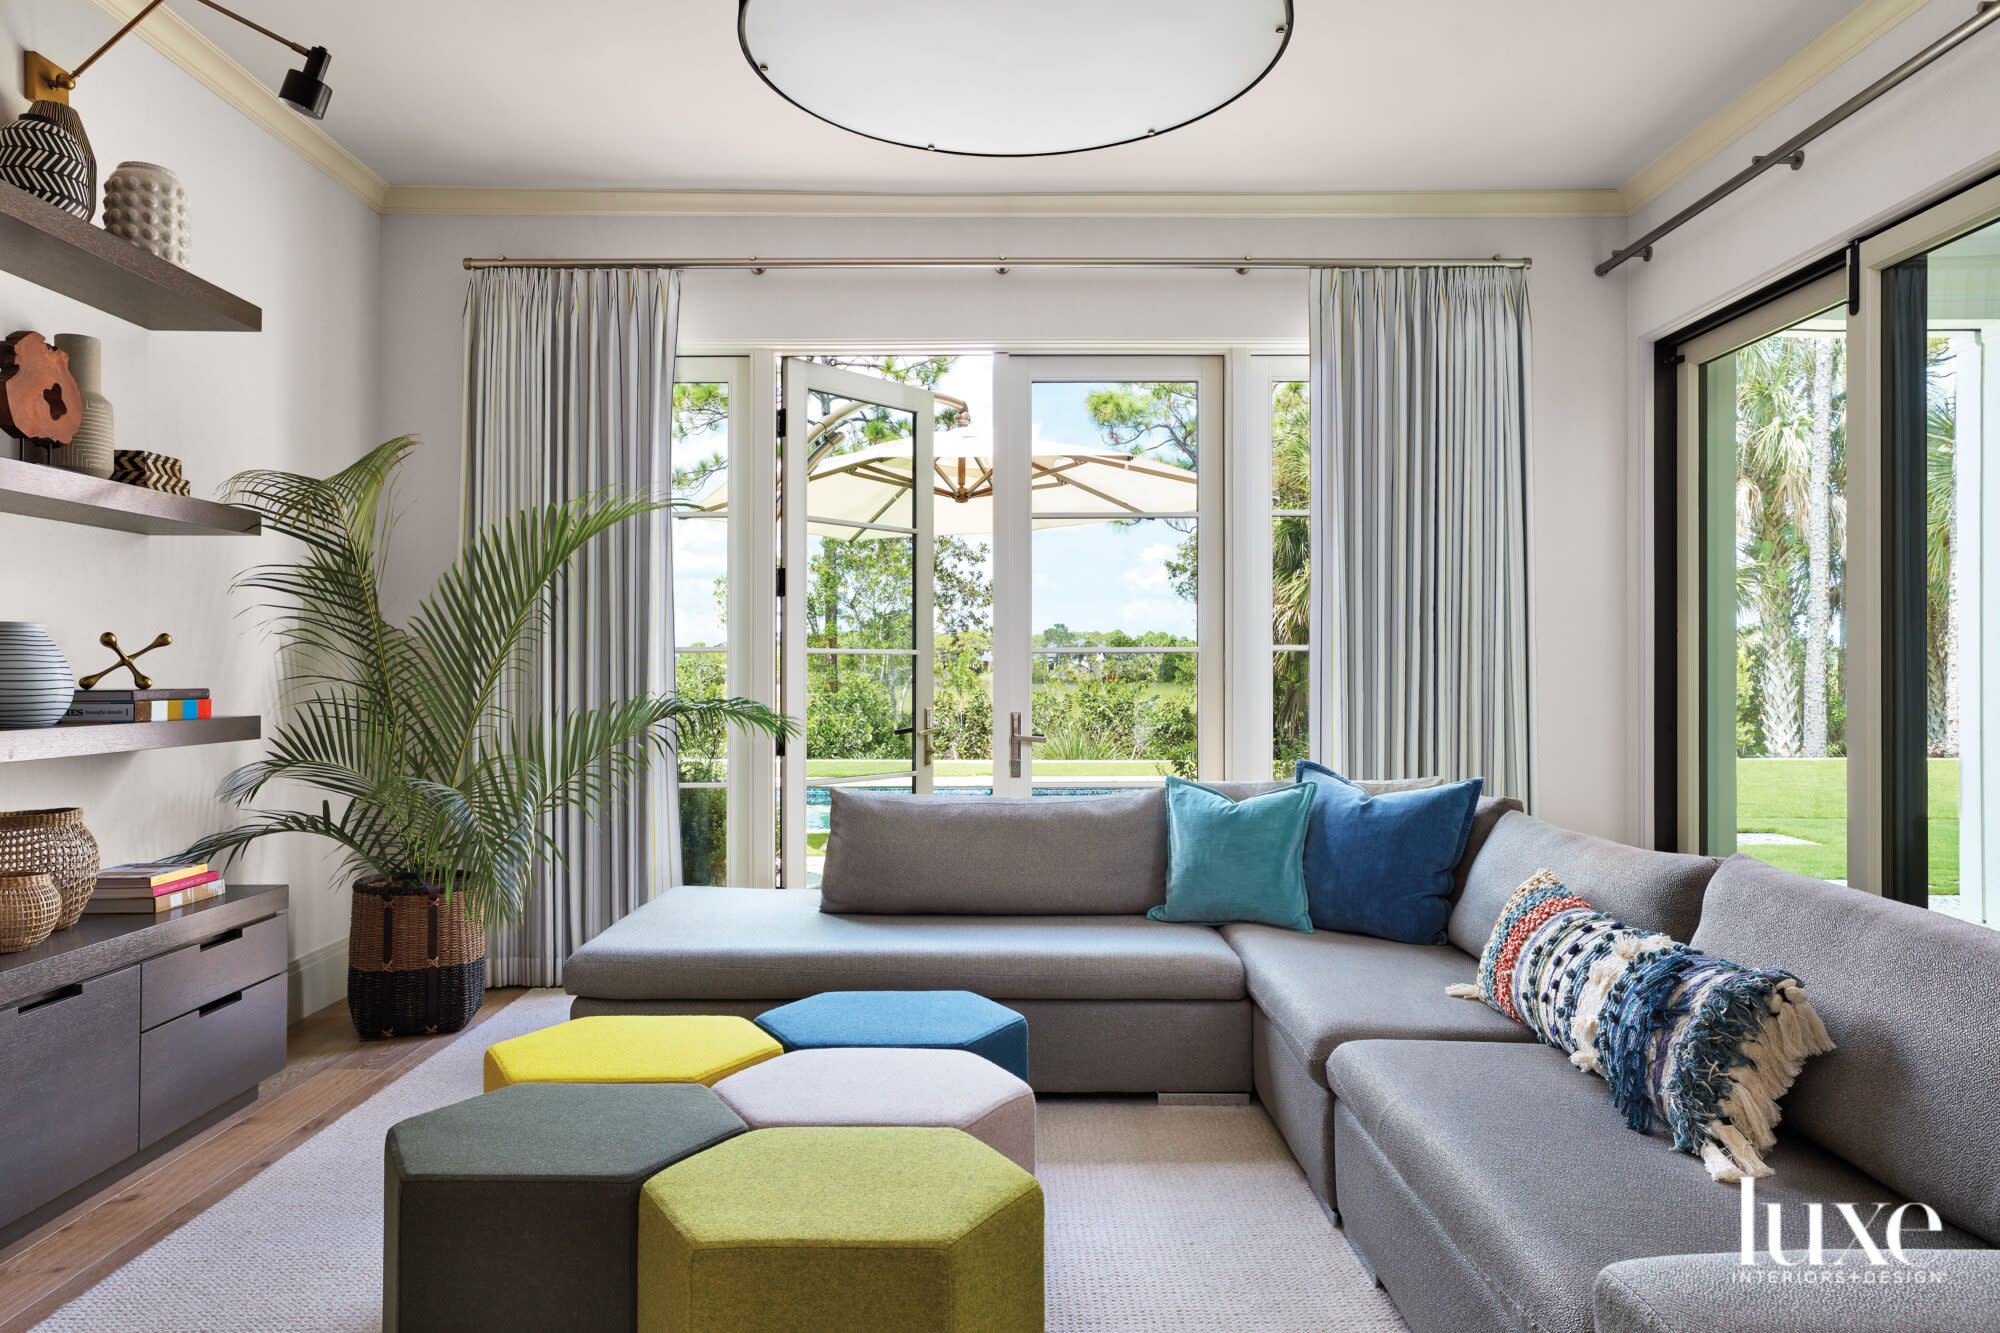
[
  {"x": 300, "y": 395},
  {"x": 1936, "y": 130},
  {"x": 1580, "y": 580}
]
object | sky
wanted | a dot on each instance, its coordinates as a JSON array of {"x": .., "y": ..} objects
[{"x": 1100, "y": 576}]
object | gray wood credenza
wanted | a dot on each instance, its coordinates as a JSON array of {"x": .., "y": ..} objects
[{"x": 124, "y": 1035}]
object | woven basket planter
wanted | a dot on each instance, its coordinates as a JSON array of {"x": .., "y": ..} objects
[
  {"x": 29, "y": 906},
  {"x": 415, "y": 962},
  {"x": 54, "y": 843}
]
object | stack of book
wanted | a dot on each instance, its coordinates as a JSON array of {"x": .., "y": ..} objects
[
  {"x": 90, "y": 707},
  {"x": 153, "y": 886}
]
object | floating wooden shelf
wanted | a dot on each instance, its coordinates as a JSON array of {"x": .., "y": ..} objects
[
  {"x": 72, "y": 497},
  {"x": 121, "y": 737},
  {"x": 50, "y": 248}
]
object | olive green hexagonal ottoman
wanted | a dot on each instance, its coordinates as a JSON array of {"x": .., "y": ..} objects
[
  {"x": 519, "y": 1209},
  {"x": 631, "y": 1048},
  {"x": 844, "y": 1230}
]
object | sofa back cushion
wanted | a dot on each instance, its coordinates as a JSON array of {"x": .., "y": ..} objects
[
  {"x": 995, "y": 856},
  {"x": 1656, "y": 891},
  {"x": 1911, "y": 999}
]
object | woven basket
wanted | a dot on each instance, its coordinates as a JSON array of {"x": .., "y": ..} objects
[
  {"x": 54, "y": 843},
  {"x": 415, "y": 962},
  {"x": 29, "y": 906}
]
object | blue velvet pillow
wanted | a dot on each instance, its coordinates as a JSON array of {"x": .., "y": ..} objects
[
  {"x": 1236, "y": 860},
  {"x": 1384, "y": 865}
]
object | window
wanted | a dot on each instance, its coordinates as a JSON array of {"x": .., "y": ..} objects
[{"x": 1291, "y": 577}]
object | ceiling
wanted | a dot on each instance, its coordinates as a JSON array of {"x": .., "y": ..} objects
[{"x": 1373, "y": 95}]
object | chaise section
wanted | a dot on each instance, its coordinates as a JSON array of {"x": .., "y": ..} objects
[
  {"x": 1115, "y": 1004},
  {"x": 727, "y": 944},
  {"x": 1315, "y": 992},
  {"x": 1496, "y": 1178},
  {"x": 1703, "y": 1293}
]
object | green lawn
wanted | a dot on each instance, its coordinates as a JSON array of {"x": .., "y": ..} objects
[
  {"x": 1807, "y": 798},
  {"x": 983, "y": 768}
]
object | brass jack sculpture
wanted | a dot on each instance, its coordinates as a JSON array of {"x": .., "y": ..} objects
[{"x": 139, "y": 679}]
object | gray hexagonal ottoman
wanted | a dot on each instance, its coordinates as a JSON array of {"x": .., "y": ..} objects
[
  {"x": 887, "y": 1087},
  {"x": 519, "y": 1209}
]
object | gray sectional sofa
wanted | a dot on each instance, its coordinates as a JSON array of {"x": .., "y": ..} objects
[{"x": 1488, "y": 1184}]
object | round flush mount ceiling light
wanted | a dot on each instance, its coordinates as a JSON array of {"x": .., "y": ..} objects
[{"x": 1012, "y": 78}]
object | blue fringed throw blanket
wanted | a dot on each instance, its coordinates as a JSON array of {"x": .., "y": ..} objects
[{"x": 1701, "y": 1046}]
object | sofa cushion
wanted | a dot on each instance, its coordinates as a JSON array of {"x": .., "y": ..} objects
[
  {"x": 1908, "y": 997},
  {"x": 1329, "y": 987},
  {"x": 1658, "y": 891},
  {"x": 1231, "y": 860},
  {"x": 696, "y": 942},
  {"x": 1705, "y": 1293},
  {"x": 1384, "y": 865},
  {"x": 995, "y": 856},
  {"x": 1509, "y": 1150}
]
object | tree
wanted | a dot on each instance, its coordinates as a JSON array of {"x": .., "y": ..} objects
[{"x": 1819, "y": 545}]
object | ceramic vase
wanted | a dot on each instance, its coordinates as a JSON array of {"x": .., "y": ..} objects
[
  {"x": 90, "y": 450},
  {"x": 47, "y": 154},
  {"x": 36, "y": 685},
  {"x": 146, "y": 205}
]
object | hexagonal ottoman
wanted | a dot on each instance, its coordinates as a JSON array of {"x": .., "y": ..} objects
[
  {"x": 936, "y": 1019},
  {"x": 890, "y": 1086},
  {"x": 519, "y": 1209},
  {"x": 842, "y": 1231},
  {"x": 630, "y": 1048}
]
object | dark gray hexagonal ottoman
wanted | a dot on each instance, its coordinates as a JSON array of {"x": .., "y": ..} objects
[{"x": 519, "y": 1209}]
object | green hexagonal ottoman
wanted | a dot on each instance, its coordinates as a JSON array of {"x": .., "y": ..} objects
[
  {"x": 519, "y": 1209},
  {"x": 846, "y": 1230}
]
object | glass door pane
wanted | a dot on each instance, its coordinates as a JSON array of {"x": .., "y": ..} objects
[
  {"x": 1940, "y": 446},
  {"x": 701, "y": 602},
  {"x": 1774, "y": 422},
  {"x": 1116, "y": 585},
  {"x": 857, "y": 612}
]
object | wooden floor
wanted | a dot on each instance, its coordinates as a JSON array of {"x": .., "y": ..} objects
[{"x": 328, "y": 1071}]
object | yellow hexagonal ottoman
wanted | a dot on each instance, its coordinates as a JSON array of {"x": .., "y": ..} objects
[
  {"x": 845, "y": 1230},
  {"x": 631, "y": 1048}
]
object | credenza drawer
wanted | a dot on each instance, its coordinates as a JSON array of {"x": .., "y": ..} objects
[
  {"x": 183, "y": 981},
  {"x": 69, "y": 1088},
  {"x": 200, "y": 1060}
]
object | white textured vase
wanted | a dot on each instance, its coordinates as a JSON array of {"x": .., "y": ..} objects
[
  {"x": 145, "y": 204},
  {"x": 90, "y": 451},
  {"x": 36, "y": 686}
]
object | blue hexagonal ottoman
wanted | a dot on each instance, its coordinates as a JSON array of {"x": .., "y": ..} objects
[{"x": 926, "y": 1019}]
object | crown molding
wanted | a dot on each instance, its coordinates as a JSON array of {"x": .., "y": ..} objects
[
  {"x": 176, "y": 39},
  {"x": 779, "y": 203},
  {"x": 1865, "y": 24}
]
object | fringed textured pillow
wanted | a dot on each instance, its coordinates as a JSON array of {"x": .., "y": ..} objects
[{"x": 1703, "y": 1046}]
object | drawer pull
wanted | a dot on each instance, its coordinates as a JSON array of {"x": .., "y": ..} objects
[
  {"x": 222, "y": 1003},
  {"x": 69, "y": 992},
  {"x": 226, "y": 937}
]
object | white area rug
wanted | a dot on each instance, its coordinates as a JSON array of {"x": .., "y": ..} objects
[{"x": 1161, "y": 1220}]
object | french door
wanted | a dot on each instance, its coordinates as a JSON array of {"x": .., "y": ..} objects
[
  {"x": 1107, "y": 619},
  {"x": 855, "y": 585}
]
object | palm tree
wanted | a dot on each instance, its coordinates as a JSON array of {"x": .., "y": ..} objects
[
  {"x": 1774, "y": 413},
  {"x": 1940, "y": 571},
  {"x": 412, "y": 727}
]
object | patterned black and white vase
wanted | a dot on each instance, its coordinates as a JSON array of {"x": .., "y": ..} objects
[
  {"x": 47, "y": 154},
  {"x": 36, "y": 686}
]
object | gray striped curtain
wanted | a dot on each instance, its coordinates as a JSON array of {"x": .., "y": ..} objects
[
  {"x": 1420, "y": 458},
  {"x": 569, "y": 378}
]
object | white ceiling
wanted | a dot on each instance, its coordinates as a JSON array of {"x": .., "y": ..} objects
[{"x": 1372, "y": 95}]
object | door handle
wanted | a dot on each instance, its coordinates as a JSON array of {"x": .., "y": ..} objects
[
  {"x": 1016, "y": 738},
  {"x": 925, "y": 733}
]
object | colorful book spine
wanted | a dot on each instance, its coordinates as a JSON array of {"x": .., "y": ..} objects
[
  {"x": 171, "y": 886},
  {"x": 166, "y": 902},
  {"x": 143, "y": 710},
  {"x": 146, "y": 874}
]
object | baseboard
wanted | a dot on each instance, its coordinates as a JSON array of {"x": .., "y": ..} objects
[{"x": 316, "y": 980}]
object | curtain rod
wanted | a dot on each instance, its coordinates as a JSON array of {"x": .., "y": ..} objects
[
  {"x": 998, "y": 263},
  {"x": 1792, "y": 152}
]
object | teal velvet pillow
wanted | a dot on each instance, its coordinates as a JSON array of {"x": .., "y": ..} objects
[{"x": 1236, "y": 860}]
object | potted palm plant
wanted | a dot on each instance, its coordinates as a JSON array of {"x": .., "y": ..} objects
[{"x": 439, "y": 795}]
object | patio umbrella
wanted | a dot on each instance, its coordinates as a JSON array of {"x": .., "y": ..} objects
[{"x": 1084, "y": 482}]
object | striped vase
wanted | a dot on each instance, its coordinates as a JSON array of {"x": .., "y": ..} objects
[
  {"x": 47, "y": 154},
  {"x": 36, "y": 685}
]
